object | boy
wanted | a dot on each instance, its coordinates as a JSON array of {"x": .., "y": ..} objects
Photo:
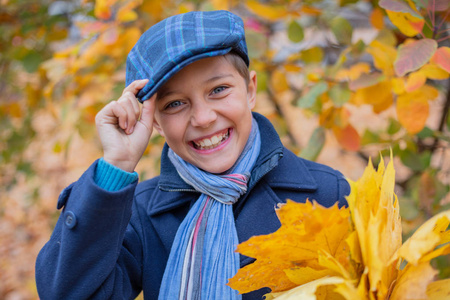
[{"x": 223, "y": 171}]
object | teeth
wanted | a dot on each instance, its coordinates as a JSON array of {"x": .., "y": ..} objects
[{"x": 212, "y": 142}]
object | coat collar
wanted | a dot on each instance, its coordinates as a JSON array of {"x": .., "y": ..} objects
[{"x": 272, "y": 150}]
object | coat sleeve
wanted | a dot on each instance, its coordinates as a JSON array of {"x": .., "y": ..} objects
[
  {"x": 343, "y": 190},
  {"x": 94, "y": 251}
]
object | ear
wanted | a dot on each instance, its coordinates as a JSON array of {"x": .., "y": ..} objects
[
  {"x": 158, "y": 127},
  {"x": 251, "y": 90}
]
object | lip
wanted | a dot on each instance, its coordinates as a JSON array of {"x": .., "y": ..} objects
[{"x": 218, "y": 148}]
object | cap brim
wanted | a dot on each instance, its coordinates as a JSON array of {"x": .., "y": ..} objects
[{"x": 148, "y": 91}]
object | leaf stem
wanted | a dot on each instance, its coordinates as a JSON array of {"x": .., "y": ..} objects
[
  {"x": 444, "y": 117},
  {"x": 443, "y": 39},
  {"x": 434, "y": 13},
  {"x": 443, "y": 19},
  {"x": 442, "y": 31}
]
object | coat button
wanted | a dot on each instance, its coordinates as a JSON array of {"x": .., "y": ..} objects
[{"x": 71, "y": 220}]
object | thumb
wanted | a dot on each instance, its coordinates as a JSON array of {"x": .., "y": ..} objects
[{"x": 148, "y": 110}]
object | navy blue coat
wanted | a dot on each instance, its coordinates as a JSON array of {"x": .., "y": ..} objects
[{"x": 112, "y": 245}]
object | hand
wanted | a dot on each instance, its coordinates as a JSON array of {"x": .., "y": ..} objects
[{"x": 123, "y": 134}]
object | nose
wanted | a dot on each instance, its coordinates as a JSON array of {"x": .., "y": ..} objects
[{"x": 203, "y": 114}]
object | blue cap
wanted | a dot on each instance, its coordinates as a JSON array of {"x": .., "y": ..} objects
[{"x": 177, "y": 41}]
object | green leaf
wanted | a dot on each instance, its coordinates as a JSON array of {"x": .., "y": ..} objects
[
  {"x": 315, "y": 144},
  {"x": 308, "y": 100},
  {"x": 358, "y": 48},
  {"x": 295, "y": 32},
  {"x": 342, "y": 30},
  {"x": 387, "y": 37},
  {"x": 31, "y": 61},
  {"x": 394, "y": 126},
  {"x": 369, "y": 137},
  {"x": 415, "y": 161},
  {"x": 412, "y": 56},
  {"x": 312, "y": 55},
  {"x": 426, "y": 132},
  {"x": 256, "y": 42},
  {"x": 409, "y": 209},
  {"x": 339, "y": 94},
  {"x": 262, "y": 81},
  {"x": 347, "y": 2}
]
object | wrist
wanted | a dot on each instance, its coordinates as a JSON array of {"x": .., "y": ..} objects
[
  {"x": 111, "y": 178},
  {"x": 124, "y": 165}
]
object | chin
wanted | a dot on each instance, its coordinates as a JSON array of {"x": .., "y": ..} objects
[{"x": 217, "y": 169}]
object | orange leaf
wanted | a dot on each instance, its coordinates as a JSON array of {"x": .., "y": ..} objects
[
  {"x": 404, "y": 15},
  {"x": 269, "y": 12},
  {"x": 279, "y": 81},
  {"x": 442, "y": 58},
  {"x": 412, "y": 110},
  {"x": 433, "y": 71},
  {"x": 223, "y": 4},
  {"x": 415, "y": 80},
  {"x": 354, "y": 72},
  {"x": 378, "y": 95},
  {"x": 292, "y": 68},
  {"x": 406, "y": 23},
  {"x": 310, "y": 10},
  {"x": 376, "y": 18},
  {"x": 102, "y": 9},
  {"x": 347, "y": 137},
  {"x": 126, "y": 13}
]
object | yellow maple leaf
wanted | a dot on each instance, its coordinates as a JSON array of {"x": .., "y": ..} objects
[
  {"x": 413, "y": 281},
  {"x": 305, "y": 229},
  {"x": 308, "y": 291},
  {"x": 439, "y": 290},
  {"x": 363, "y": 257},
  {"x": 375, "y": 213}
]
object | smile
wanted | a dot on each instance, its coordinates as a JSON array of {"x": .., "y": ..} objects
[{"x": 212, "y": 141}]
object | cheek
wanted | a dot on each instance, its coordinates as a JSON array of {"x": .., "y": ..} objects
[{"x": 174, "y": 132}]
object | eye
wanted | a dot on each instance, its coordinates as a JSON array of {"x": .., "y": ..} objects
[
  {"x": 173, "y": 104},
  {"x": 218, "y": 89}
]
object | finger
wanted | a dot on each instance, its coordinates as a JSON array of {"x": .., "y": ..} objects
[
  {"x": 132, "y": 116},
  {"x": 148, "y": 111},
  {"x": 135, "y": 86},
  {"x": 120, "y": 114},
  {"x": 136, "y": 106}
]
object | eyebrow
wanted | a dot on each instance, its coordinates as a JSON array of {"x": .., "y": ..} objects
[
  {"x": 220, "y": 76},
  {"x": 164, "y": 92}
]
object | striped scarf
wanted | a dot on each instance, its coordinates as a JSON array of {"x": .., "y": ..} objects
[{"x": 203, "y": 256}]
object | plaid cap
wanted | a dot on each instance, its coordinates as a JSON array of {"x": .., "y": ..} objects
[{"x": 177, "y": 41}]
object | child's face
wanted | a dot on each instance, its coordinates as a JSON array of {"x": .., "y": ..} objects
[{"x": 204, "y": 113}]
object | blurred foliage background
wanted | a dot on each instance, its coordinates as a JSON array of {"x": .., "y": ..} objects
[{"x": 341, "y": 80}]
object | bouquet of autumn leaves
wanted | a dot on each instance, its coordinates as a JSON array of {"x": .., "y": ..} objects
[{"x": 348, "y": 253}]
